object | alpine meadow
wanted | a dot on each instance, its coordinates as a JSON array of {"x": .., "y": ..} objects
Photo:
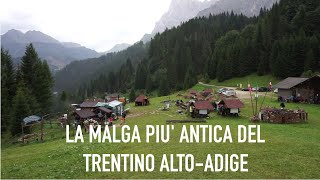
[{"x": 220, "y": 89}]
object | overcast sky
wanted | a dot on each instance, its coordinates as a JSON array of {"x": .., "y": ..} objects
[{"x": 97, "y": 24}]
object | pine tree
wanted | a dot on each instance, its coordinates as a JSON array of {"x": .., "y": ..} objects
[
  {"x": 21, "y": 109},
  {"x": 172, "y": 74},
  {"x": 164, "y": 87},
  {"x": 141, "y": 76},
  {"x": 63, "y": 96},
  {"x": 149, "y": 83},
  {"x": 111, "y": 78},
  {"x": 190, "y": 78},
  {"x": 7, "y": 74},
  {"x": 132, "y": 95},
  {"x": 29, "y": 64},
  {"x": 310, "y": 63},
  {"x": 205, "y": 58},
  {"x": 43, "y": 85},
  {"x": 8, "y": 88}
]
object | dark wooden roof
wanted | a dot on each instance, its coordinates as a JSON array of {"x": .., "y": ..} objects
[
  {"x": 141, "y": 98},
  {"x": 88, "y": 104},
  {"x": 192, "y": 91},
  {"x": 85, "y": 113},
  {"x": 105, "y": 110},
  {"x": 208, "y": 90},
  {"x": 232, "y": 103},
  {"x": 203, "y": 105},
  {"x": 290, "y": 82}
]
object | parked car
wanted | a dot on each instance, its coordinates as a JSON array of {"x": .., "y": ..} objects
[
  {"x": 245, "y": 89},
  {"x": 254, "y": 89},
  {"x": 222, "y": 90},
  {"x": 230, "y": 92},
  {"x": 264, "y": 89}
]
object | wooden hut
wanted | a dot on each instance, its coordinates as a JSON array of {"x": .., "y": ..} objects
[
  {"x": 142, "y": 100},
  {"x": 201, "y": 109},
  {"x": 83, "y": 114},
  {"x": 88, "y": 105},
  {"x": 230, "y": 106},
  {"x": 193, "y": 92},
  {"x": 207, "y": 92},
  {"x": 295, "y": 89},
  {"x": 112, "y": 97}
]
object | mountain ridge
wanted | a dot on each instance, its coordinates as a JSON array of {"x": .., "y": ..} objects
[
  {"x": 58, "y": 54},
  {"x": 245, "y": 7},
  {"x": 118, "y": 47}
]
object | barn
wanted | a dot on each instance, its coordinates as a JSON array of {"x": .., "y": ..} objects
[{"x": 295, "y": 89}]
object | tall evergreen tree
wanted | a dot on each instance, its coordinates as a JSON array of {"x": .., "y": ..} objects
[
  {"x": 43, "y": 85},
  {"x": 21, "y": 109},
  {"x": 8, "y": 88},
  {"x": 190, "y": 78},
  {"x": 141, "y": 76},
  {"x": 164, "y": 87},
  {"x": 149, "y": 83},
  {"x": 29, "y": 65},
  {"x": 132, "y": 95},
  {"x": 310, "y": 63}
]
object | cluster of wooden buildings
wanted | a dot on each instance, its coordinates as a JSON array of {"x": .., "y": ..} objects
[
  {"x": 102, "y": 109},
  {"x": 98, "y": 109},
  {"x": 201, "y": 104}
]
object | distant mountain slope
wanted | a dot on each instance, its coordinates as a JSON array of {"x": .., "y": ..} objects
[
  {"x": 180, "y": 11},
  {"x": 146, "y": 38},
  {"x": 118, "y": 47},
  {"x": 56, "y": 53},
  {"x": 246, "y": 7},
  {"x": 75, "y": 74}
]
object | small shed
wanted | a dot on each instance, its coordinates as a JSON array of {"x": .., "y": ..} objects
[
  {"x": 230, "y": 106},
  {"x": 193, "y": 92},
  {"x": 207, "y": 92},
  {"x": 31, "y": 119},
  {"x": 142, "y": 100},
  {"x": 201, "y": 109}
]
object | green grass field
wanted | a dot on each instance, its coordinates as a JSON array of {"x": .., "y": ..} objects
[
  {"x": 253, "y": 79},
  {"x": 290, "y": 151}
]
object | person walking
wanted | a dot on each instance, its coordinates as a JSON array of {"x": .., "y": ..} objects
[
  {"x": 110, "y": 121},
  {"x": 123, "y": 119}
]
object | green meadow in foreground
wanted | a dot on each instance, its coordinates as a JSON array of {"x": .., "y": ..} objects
[{"x": 290, "y": 151}]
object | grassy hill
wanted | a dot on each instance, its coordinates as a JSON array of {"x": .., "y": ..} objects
[
  {"x": 253, "y": 79},
  {"x": 290, "y": 151}
]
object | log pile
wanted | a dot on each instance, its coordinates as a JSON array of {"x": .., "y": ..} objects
[{"x": 283, "y": 116}]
